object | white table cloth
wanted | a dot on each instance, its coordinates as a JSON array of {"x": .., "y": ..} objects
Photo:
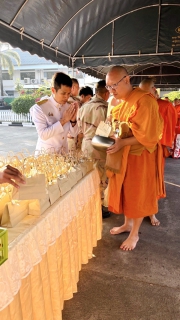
[{"x": 46, "y": 254}]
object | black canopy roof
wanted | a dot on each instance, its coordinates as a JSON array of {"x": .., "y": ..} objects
[{"x": 142, "y": 35}]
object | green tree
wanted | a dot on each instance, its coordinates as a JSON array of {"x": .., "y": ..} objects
[
  {"x": 18, "y": 86},
  {"x": 6, "y": 57},
  {"x": 23, "y": 103},
  {"x": 173, "y": 95},
  {"x": 41, "y": 92}
]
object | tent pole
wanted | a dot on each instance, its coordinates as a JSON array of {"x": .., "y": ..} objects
[{"x": 73, "y": 68}]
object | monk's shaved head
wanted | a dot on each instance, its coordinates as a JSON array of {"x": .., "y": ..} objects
[
  {"x": 119, "y": 70},
  {"x": 146, "y": 84},
  {"x": 118, "y": 82}
]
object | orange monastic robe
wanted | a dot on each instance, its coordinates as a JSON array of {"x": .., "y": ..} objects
[
  {"x": 169, "y": 115},
  {"x": 178, "y": 109},
  {"x": 178, "y": 120},
  {"x": 135, "y": 189},
  {"x": 175, "y": 151}
]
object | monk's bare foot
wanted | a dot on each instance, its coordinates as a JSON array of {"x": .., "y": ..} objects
[
  {"x": 154, "y": 220},
  {"x": 130, "y": 243},
  {"x": 121, "y": 229}
]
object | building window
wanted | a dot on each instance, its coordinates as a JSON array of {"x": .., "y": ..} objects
[
  {"x": 27, "y": 74},
  {"x": 78, "y": 74},
  {"x": 49, "y": 74},
  {"x": 10, "y": 93},
  {"x": 75, "y": 74},
  {"x": 70, "y": 73},
  {"x": 7, "y": 76}
]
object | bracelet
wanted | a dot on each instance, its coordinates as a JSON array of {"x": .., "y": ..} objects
[{"x": 73, "y": 121}]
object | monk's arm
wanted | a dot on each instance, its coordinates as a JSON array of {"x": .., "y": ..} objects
[{"x": 120, "y": 143}]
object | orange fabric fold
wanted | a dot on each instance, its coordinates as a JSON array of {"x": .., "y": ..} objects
[
  {"x": 114, "y": 160},
  {"x": 116, "y": 182},
  {"x": 161, "y": 192},
  {"x": 177, "y": 129},
  {"x": 137, "y": 111},
  {"x": 169, "y": 115},
  {"x": 178, "y": 109},
  {"x": 155, "y": 179},
  {"x": 142, "y": 115}
]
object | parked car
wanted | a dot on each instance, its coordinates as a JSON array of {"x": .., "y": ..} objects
[{"x": 5, "y": 102}]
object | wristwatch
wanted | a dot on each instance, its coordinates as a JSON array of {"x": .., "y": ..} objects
[{"x": 73, "y": 121}]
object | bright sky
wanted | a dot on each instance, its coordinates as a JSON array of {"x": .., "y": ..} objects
[{"x": 6, "y": 46}]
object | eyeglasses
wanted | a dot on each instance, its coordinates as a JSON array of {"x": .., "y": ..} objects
[{"x": 115, "y": 85}]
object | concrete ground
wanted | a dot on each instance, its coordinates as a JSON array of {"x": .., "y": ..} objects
[
  {"x": 140, "y": 285},
  {"x": 17, "y": 138},
  {"x": 115, "y": 285}
]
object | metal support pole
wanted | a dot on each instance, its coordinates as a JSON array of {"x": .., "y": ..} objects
[{"x": 72, "y": 68}]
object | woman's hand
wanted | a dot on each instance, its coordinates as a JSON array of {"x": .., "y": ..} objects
[
  {"x": 10, "y": 174},
  {"x": 119, "y": 144}
]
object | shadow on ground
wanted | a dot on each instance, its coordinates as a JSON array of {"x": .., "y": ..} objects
[{"x": 140, "y": 285}]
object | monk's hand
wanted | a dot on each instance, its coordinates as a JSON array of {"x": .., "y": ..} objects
[
  {"x": 12, "y": 175},
  {"x": 119, "y": 144}
]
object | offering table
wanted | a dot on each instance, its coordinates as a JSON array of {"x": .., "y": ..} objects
[{"x": 46, "y": 253}]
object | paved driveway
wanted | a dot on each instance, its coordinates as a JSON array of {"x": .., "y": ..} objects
[
  {"x": 140, "y": 285},
  {"x": 116, "y": 285},
  {"x": 15, "y": 138}
]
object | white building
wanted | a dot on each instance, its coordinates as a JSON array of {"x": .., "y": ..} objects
[{"x": 34, "y": 72}]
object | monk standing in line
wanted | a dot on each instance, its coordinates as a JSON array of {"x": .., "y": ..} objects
[
  {"x": 169, "y": 115},
  {"x": 134, "y": 188},
  {"x": 175, "y": 152}
]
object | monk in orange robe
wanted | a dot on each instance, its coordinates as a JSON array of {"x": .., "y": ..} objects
[
  {"x": 167, "y": 111},
  {"x": 177, "y": 107},
  {"x": 169, "y": 115},
  {"x": 134, "y": 188},
  {"x": 175, "y": 151}
]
